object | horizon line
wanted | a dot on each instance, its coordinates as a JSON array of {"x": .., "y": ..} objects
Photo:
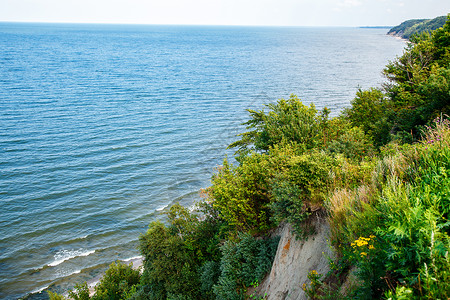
[{"x": 180, "y": 24}]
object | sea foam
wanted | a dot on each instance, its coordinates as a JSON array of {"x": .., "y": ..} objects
[{"x": 63, "y": 255}]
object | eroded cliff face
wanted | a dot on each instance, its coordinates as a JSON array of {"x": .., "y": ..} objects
[{"x": 293, "y": 261}]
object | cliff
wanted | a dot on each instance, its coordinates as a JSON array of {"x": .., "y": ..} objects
[{"x": 294, "y": 259}]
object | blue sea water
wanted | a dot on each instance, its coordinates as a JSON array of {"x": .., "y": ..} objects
[{"x": 103, "y": 126}]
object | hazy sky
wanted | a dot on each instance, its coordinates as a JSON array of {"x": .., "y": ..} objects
[{"x": 224, "y": 12}]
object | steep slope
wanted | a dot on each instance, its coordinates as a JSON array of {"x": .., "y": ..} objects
[{"x": 294, "y": 259}]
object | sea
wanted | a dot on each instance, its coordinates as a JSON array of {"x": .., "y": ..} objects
[{"x": 102, "y": 127}]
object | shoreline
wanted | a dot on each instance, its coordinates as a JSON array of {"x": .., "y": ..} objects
[
  {"x": 398, "y": 37},
  {"x": 137, "y": 264}
]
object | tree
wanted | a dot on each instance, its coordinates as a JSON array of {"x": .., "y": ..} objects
[
  {"x": 369, "y": 111},
  {"x": 118, "y": 280},
  {"x": 287, "y": 120},
  {"x": 240, "y": 194},
  {"x": 174, "y": 254},
  {"x": 417, "y": 91}
]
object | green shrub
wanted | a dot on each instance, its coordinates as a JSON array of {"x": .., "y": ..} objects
[
  {"x": 287, "y": 121},
  {"x": 81, "y": 292},
  {"x": 240, "y": 194},
  {"x": 301, "y": 189},
  {"x": 118, "y": 280},
  {"x": 243, "y": 262},
  {"x": 400, "y": 293},
  {"x": 55, "y": 296},
  {"x": 412, "y": 224},
  {"x": 174, "y": 254},
  {"x": 353, "y": 144},
  {"x": 210, "y": 272},
  {"x": 170, "y": 265},
  {"x": 284, "y": 183},
  {"x": 370, "y": 111}
]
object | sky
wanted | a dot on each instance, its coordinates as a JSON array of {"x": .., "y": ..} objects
[{"x": 224, "y": 12}]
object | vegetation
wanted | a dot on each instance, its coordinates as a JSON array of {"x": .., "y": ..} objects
[
  {"x": 119, "y": 282},
  {"x": 418, "y": 26},
  {"x": 393, "y": 229},
  {"x": 416, "y": 92},
  {"x": 243, "y": 263},
  {"x": 380, "y": 173}
]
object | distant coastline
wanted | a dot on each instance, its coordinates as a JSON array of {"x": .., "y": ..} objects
[
  {"x": 376, "y": 27},
  {"x": 417, "y": 26}
]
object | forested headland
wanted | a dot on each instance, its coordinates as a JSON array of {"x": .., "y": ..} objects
[
  {"x": 379, "y": 173},
  {"x": 417, "y": 26}
]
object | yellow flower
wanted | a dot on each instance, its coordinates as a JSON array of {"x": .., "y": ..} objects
[
  {"x": 363, "y": 254},
  {"x": 361, "y": 243},
  {"x": 371, "y": 247}
]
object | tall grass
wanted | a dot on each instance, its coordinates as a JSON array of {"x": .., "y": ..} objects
[{"x": 405, "y": 208}]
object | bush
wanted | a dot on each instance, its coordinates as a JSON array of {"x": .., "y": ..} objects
[
  {"x": 210, "y": 272},
  {"x": 370, "y": 111},
  {"x": 398, "y": 234},
  {"x": 55, "y": 296},
  {"x": 353, "y": 144},
  {"x": 240, "y": 194},
  {"x": 301, "y": 189},
  {"x": 118, "y": 280},
  {"x": 170, "y": 266},
  {"x": 174, "y": 254},
  {"x": 81, "y": 292},
  {"x": 287, "y": 121},
  {"x": 243, "y": 263}
]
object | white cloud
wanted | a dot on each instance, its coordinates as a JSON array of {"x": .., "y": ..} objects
[{"x": 349, "y": 3}]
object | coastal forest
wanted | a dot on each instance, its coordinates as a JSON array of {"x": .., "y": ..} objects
[
  {"x": 378, "y": 173},
  {"x": 417, "y": 26}
]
